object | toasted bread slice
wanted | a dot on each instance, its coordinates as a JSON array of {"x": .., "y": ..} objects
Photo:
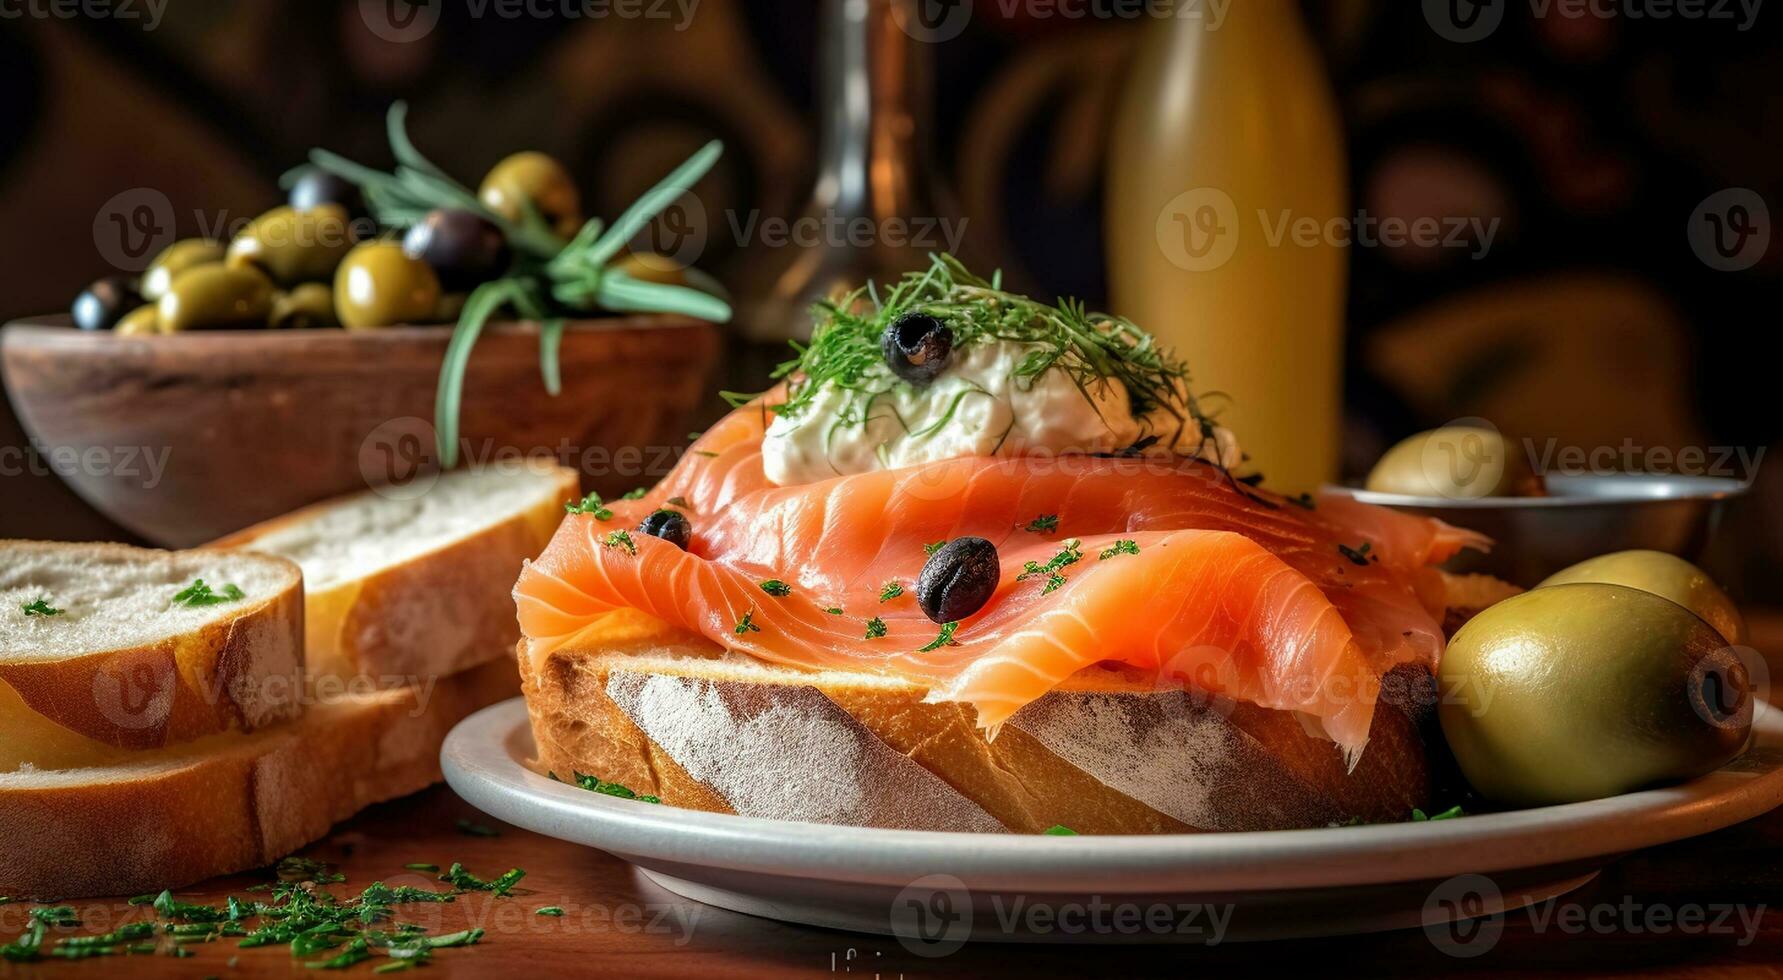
[
  {"x": 402, "y": 586},
  {"x": 98, "y": 660},
  {"x": 229, "y": 803},
  {"x": 671, "y": 715}
]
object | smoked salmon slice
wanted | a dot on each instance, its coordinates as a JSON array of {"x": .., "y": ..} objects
[{"x": 1165, "y": 566}]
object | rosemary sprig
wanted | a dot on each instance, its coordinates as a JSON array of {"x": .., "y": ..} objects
[{"x": 550, "y": 280}]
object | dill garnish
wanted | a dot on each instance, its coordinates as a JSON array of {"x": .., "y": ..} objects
[
  {"x": 636, "y": 493},
  {"x": 934, "y": 546},
  {"x": 1357, "y": 556},
  {"x": 41, "y": 607},
  {"x": 1070, "y": 553},
  {"x": 1124, "y": 546},
  {"x": 891, "y": 591},
  {"x": 834, "y": 610},
  {"x": 946, "y": 638},
  {"x": 1093, "y": 349},
  {"x": 875, "y": 628},
  {"x": 776, "y": 588},
  {"x": 746, "y": 624},
  {"x": 591, "y": 504},
  {"x": 621, "y": 539},
  {"x": 1044, "y": 524}
]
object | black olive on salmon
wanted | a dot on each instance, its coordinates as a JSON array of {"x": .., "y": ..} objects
[
  {"x": 917, "y": 347},
  {"x": 958, "y": 579},
  {"x": 669, "y": 525}
]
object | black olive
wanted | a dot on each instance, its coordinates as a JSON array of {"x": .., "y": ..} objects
[
  {"x": 101, "y": 305},
  {"x": 464, "y": 248},
  {"x": 958, "y": 579},
  {"x": 917, "y": 347},
  {"x": 315, "y": 187},
  {"x": 669, "y": 525}
]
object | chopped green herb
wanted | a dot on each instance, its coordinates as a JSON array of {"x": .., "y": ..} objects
[
  {"x": 1124, "y": 546},
  {"x": 1070, "y": 553},
  {"x": 622, "y": 540},
  {"x": 1451, "y": 813},
  {"x": 464, "y": 881},
  {"x": 1357, "y": 556},
  {"x": 40, "y": 607},
  {"x": 934, "y": 546},
  {"x": 746, "y": 624},
  {"x": 1044, "y": 524},
  {"x": 200, "y": 594},
  {"x": 554, "y": 911},
  {"x": 680, "y": 502},
  {"x": 469, "y": 829},
  {"x": 834, "y": 610},
  {"x": 875, "y": 628},
  {"x": 776, "y": 588},
  {"x": 946, "y": 637},
  {"x": 591, "y": 504},
  {"x": 421, "y": 866},
  {"x": 1059, "y": 830},
  {"x": 891, "y": 591},
  {"x": 636, "y": 493},
  {"x": 594, "y": 785}
]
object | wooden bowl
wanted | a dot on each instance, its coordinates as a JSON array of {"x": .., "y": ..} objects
[{"x": 184, "y": 438}]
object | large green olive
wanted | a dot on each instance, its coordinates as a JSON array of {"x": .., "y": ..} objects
[
  {"x": 216, "y": 297},
  {"x": 174, "y": 260},
  {"x": 378, "y": 285},
  {"x": 535, "y": 177},
  {"x": 308, "y": 306},
  {"x": 1663, "y": 575},
  {"x": 140, "y": 322},
  {"x": 1459, "y": 462},
  {"x": 293, "y": 246},
  {"x": 1575, "y": 692}
]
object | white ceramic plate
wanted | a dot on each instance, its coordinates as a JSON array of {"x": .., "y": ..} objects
[{"x": 936, "y": 890}]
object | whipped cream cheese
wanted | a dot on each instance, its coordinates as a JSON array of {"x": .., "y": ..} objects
[{"x": 979, "y": 406}]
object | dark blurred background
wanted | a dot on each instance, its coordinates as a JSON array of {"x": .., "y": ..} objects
[{"x": 1593, "y": 138}]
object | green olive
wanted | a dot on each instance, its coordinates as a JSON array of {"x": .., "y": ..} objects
[
  {"x": 174, "y": 260},
  {"x": 379, "y": 285},
  {"x": 1663, "y": 575},
  {"x": 535, "y": 177},
  {"x": 308, "y": 306},
  {"x": 140, "y": 322},
  {"x": 651, "y": 267},
  {"x": 216, "y": 297},
  {"x": 1458, "y": 462},
  {"x": 1575, "y": 692},
  {"x": 293, "y": 246}
]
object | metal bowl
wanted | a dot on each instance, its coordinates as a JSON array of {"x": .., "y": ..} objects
[{"x": 1582, "y": 516}]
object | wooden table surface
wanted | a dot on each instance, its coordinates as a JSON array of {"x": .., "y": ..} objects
[{"x": 618, "y": 924}]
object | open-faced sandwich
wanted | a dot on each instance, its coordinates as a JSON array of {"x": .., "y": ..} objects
[{"x": 981, "y": 563}]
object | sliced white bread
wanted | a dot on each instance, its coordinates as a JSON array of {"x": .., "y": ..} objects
[
  {"x": 407, "y": 587},
  {"x": 230, "y": 803},
  {"x": 673, "y": 716},
  {"x": 98, "y": 660}
]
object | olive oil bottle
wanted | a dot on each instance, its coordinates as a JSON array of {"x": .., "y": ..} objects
[{"x": 1227, "y": 206}]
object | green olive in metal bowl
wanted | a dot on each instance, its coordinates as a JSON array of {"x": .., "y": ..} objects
[
  {"x": 1576, "y": 692},
  {"x": 1455, "y": 462},
  {"x": 216, "y": 297},
  {"x": 1663, "y": 575},
  {"x": 293, "y": 246}
]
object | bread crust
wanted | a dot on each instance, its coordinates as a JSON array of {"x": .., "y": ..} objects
[
  {"x": 240, "y": 672},
  {"x": 1254, "y": 768},
  {"x": 230, "y": 803},
  {"x": 438, "y": 613}
]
